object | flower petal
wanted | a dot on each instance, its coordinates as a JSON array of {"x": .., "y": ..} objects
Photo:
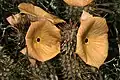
[
  {"x": 95, "y": 50},
  {"x": 37, "y": 11},
  {"x": 78, "y": 2},
  {"x": 43, "y": 40}
]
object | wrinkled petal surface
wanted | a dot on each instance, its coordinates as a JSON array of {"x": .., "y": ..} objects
[
  {"x": 78, "y": 2},
  {"x": 43, "y": 40},
  {"x": 37, "y": 11},
  {"x": 92, "y": 40}
]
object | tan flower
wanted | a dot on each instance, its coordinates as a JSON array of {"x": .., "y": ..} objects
[
  {"x": 39, "y": 12},
  {"x": 78, "y": 2},
  {"x": 14, "y": 19},
  {"x": 43, "y": 40},
  {"x": 43, "y": 37},
  {"x": 35, "y": 13},
  {"x": 92, "y": 40}
]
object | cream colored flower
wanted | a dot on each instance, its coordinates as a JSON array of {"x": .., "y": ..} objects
[
  {"x": 43, "y": 40},
  {"x": 92, "y": 40},
  {"x": 39, "y": 12},
  {"x": 78, "y": 2}
]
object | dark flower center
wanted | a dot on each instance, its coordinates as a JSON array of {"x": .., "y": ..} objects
[
  {"x": 38, "y": 39},
  {"x": 86, "y": 40}
]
